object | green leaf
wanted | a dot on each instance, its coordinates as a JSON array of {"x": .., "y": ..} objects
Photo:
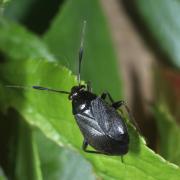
[
  {"x": 163, "y": 20},
  {"x": 18, "y": 46},
  {"x": 18, "y": 9},
  {"x": 27, "y": 165},
  {"x": 2, "y": 6},
  {"x": 2, "y": 176},
  {"x": 61, "y": 163},
  {"x": 36, "y": 15},
  {"x": 99, "y": 62},
  {"x": 20, "y": 158},
  {"x": 31, "y": 154},
  {"x": 169, "y": 132},
  {"x": 52, "y": 113}
]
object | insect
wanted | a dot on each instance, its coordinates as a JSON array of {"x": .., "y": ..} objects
[{"x": 101, "y": 125}]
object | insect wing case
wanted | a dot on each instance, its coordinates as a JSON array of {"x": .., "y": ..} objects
[
  {"x": 89, "y": 125},
  {"x": 109, "y": 120},
  {"x": 103, "y": 128}
]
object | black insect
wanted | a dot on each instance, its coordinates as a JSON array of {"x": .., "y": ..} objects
[{"x": 99, "y": 121}]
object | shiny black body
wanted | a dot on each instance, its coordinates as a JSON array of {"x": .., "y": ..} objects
[{"x": 101, "y": 125}]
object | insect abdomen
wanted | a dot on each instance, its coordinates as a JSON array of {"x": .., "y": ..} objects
[{"x": 95, "y": 137}]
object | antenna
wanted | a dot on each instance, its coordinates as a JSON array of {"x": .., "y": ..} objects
[
  {"x": 49, "y": 89},
  {"x": 81, "y": 52},
  {"x": 38, "y": 88}
]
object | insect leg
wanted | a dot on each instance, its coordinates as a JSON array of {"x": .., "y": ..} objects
[
  {"x": 84, "y": 147},
  {"x": 118, "y": 104},
  {"x": 105, "y": 94}
]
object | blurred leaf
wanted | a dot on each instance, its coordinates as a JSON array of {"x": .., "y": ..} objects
[
  {"x": 3, "y": 2},
  {"x": 18, "y": 46},
  {"x": 8, "y": 136},
  {"x": 31, "y": 154},
  {"x": 27, "y": 12},
  {"x": 61, "y": 163},
  {"x": 163, "y": 20},
  {"x": 99, "y": 62},
  {"x": 52, "y": 114},
  {"x": 20, "y": 159},
  {"x": 27, "y": 165},
  {"x": 18, "y": 9},
  {"x": 169, "y": 132},
  {"x": 2, "y": 176},
  {"x": 2, "y": 6}
]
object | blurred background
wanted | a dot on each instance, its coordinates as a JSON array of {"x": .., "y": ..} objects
[{"x": 145, "y": 36}]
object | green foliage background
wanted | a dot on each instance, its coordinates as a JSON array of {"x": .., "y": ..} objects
[{"x": 39, "y": 136}]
